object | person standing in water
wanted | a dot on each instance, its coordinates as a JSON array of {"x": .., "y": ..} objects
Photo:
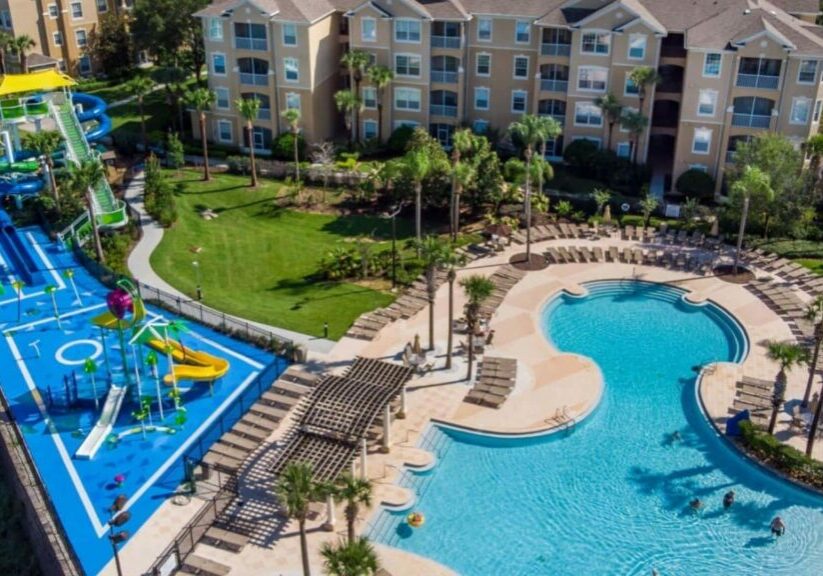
[
  {"x": 728, "y": 499},
  {"x": 778, "y": 527}
]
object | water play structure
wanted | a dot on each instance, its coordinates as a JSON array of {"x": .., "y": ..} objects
[{"x": 18, "y": 260}]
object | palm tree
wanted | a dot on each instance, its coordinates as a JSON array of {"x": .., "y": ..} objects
[
  {"x": 201, "y": 100},
  {"x": 356, "y": 61},
  {"x": 648, "y": 205},
  {"x": 355, "y": 492},
  {"x": 814, "y": 314},
  {"x": 529, "y": 131},
  {"x": 601, "y": 198},
  {"x": 612, "y": 109},
  {"x": 353, "y": 558},
  {"x": 644, "y": 77},
  {"x": 90, "y": 367},
  {"x": 380, "y": 77},
  {"x": 18, "y": 286},
  {"x": 477, "y": 289},
  {"x": 635, "y": 123},
  {"x": 6, "y": 40},
  {"x": 786, "y": 355},
  {"x": 753, "y": 181},
  {"x": 550, "y": 129},
  {"x": 418, "y": 165},
  {"x": 432, "y": 253},
  {"x": 45, "y": 143},
  {"x": 84, "y": 178},
  {"x": 463, "y": 141},
  {"x": 292, "y": 116},
  {"x": 20, "y": 46},
  {"x": 451, "y": 261},
  {"x": 296, "y": 490},
  {"x": 249, "y": 108},
  {"x": 348, "y": 103},
  {"x": 138, "y": 87}
]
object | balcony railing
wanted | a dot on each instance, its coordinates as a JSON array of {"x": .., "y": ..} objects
[
  {"x": 730, "y": 156},
  {"x": 254, "y": 79},
  {"x": 757, "y": 81},
  {"x": 243, "y": 43},
  {"x": 445, "y": 41},
  {"x": 555, "y": 49},
  {"x": 751, "y": 120},
  {"x": 560, "y": 119},
  {"x": 554, "y": 85},
  {"x": 444, "y": 76},
  {"x": 443, "y": 110}
]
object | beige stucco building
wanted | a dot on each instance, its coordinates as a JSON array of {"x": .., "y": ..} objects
[{"x": 729, "y": 69}]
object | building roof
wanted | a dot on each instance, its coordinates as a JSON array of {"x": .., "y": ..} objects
[{"x": 280, "y": 10}]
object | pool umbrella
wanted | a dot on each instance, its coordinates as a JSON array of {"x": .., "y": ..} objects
[{"x": 417, "y": 350}]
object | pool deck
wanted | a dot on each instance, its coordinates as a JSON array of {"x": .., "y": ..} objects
[{"x": 548, "y": 382}]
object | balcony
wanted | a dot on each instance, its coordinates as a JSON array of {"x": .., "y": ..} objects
[
  {"x": 264, "y": 114},
  {"x": 758, "y": 81},
  {"x": 254, "y": 79},
  {"x": 245, "y": 43},
  {"x": 751, "y": 120},
  {"x": 445, "y": 41},
  {"x": 559, "y": 118},
  {"x": 444, "y": 76},
  {"x": 554, "y": 85},
  {"x": 443, "y": 110},
  {"x": 555, "y": 49},
  {"x": 730, "y": 156}
]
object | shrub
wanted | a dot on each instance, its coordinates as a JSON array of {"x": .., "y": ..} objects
[
  {"x": 581, "y": 154},
  {"x": 239, "y": 164},
  {"x": 399, "y": 140},
  {"x": 781, "y": 456},
  {"x": 158, "y": 195},
  {"x": 282, "y": 148},
  {"x": 695, "y": 184},
  {"x": 175, "y": 157}
]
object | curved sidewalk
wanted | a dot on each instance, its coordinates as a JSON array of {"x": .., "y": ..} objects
[{"x": 140, "y": 267}]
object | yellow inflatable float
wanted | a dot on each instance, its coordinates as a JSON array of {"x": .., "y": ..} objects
[{"x": 415, "y": 519}]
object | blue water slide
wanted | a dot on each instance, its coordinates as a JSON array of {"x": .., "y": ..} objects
[
  {"x": 93, "y": 108},
  {"x": 21, "y": 186},
  {"x": 17, "y": 254}
]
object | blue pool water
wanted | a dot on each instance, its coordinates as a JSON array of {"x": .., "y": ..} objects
[
  {"x": 82, "y": 490},
  {"x": 612, "y": 496}
]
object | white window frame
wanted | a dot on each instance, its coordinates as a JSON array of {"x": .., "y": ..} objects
[
  {"x": 800, "y": 69},
  {"x": 85, "y": 37},
  {"x": 409, "y": 56},
  {"x": 590, "y": 106},
  {"x": 528, "y": 32},
  {"x": 225, "y": 65},
  {"x": 488, "y": 97},
  {"x": 290, "y": 97},
  {"x": 407, "y": 90},
  {"x": 477, "y": 64},
  {"x": 593, "y": 68},
  {"x": 597, "y": 34},
  {"x": 363, "y": 36},
  {"x": 84, "y": 63},
  {"x": 214, "y": 25},
  {"x": 294, "y": 64},
  {"x": 373, "y": 124},
  {"x": 283, "y": 28},
  {"x": 491, "y": 30},
  {"x": 371, "y": 90},
  {"x": 626, "y": 146},
  {"x": 645, "y": 40},
  {"x": 699, "y": 131},
  {"x": 71, "y": 10},
  {"x": 221, "y": 122},
  {"x": 719, "y": 65},
  {"x": 217, "y": 91},
  {"x": 818, "y": 105},
  {"x": 105, "y": 6},
  {"x": 514, "y": 67},
  {"x": 408, "y": 21},
  {"x": 480, "y": 121},
  {"x": 626, "y": 91},
  {"x": 795, "y": 101},
  {"x": 56, "y": 14},
  {"x": 254, "y": 135},
  {"x": 714, "y": 94},
  {"x": 57, "y": 38},
  {"x": 525, "y": 94}
]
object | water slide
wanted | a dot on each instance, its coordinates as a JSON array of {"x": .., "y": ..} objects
[
  {"x": 19, "y": 257},
  {"x": 191, "y": 364},
  {"x": 21, "y": 185},
  {"x": 109, "y": 321},
  {"x": 93, "y": 108},
  {"x": 101, "y": 430}
]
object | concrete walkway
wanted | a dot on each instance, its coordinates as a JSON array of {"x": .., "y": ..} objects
[{"x": 140, "y": 267}]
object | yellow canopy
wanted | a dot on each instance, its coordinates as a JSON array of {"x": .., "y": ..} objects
[{"x": 34, "y": 82}]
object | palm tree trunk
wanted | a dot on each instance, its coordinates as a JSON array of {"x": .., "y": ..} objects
[
  {"x": 24, "y": 62},
  {"x": 98, "y": 246},
  {"x": 609, "y": 138},
  {"x": 471, "y": 350},
  {"x": 813, "y": 429},
  {"x": 457, "y": 195},
  {"x": 451, "y": 321},
  {"x": 528, "y": 205},
  {"x": 356, "y": 112},
  {"x": 205, "y": 144},
  {"x": 351, "y": 518},
  {"x": 431, "y": 289},
  {"x": 53, "y": 183},
  {"x": 813, "y": 365},
  {"x": 418, "y": 214},
  {"x": 296, "y": 157},
  {"x": 777, "y": 402},
  {"x": 143, "y": 125},
  {"x": 380, "y": 118},
  {"x": 304, "y": 548},
  {"x": 250, "y": 129},
  {"x": 2, "y": 62}
]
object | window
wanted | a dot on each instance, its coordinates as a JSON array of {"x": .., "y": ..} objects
[
  {"x": 53, "y": 11},
  {"x": 407, "y": 65},
  {"x": 706, "y": 102},
  {"x": 484, "y": 29},
  {"x": 218, "y": 64},
  {"x": 292, "y": 68},
  {"x": 57, "y": 37},
  {"x": 521, "y": 67},
  {"x": 215, "y": 29},
  {"x": 250, "y": 36},
  {"x": 5, "y": 19},
  {"x": 369, "y": 129},
  {"x": 261, "y": 138},
  {"x": 85, "y": 64},
  {"x": 76, "y": 10},
  {"x": 407, "y": 99},
  {"x": 406, "y": 30},
  {"x": 700, "y": 167},
  {"x": 484, "y": 64},
  {"x": 807, "y": 72},
  {"x": 624, "y": 149},
  {"x": 595, "y": 43},
  {"x": 702, "y": 141},
  {"x": 481, "y": 98},
  {"x": 102, "y": 6},
  {"x": 221, "y": 98},
  {"x": 800, "y": 110},
  {"x": 817, "y": 107},
  {"x": 711, "y": 65},
  {"x": 368, "y": 30},
  {"x": 519, "y": 99},
  {"x": 370, "y": 97},
  {"x": 630, "y": 88},
  {"x": 80, "y": 37},
  {"x": 522, "y": 32},
  {"x": 587, "y": 114},
  {"x": 592, "y": 79},
  {"x": 480, "y": 126},
  {"x": 224, "y": 131},
  {"x": 637, "y": 46},
  {"x": 292, "y": 101},
  {"x": 289, "y": 35}
]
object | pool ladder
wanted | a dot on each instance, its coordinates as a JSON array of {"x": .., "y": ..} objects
[{"x": 563, "y": 420}]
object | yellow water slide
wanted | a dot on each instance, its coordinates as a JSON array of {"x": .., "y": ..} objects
[
  {"x": 191, "y": 364},
  {"x": 110, "y": 322}
]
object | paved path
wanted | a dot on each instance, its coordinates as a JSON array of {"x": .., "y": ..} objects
[{"x": 140, "y": 267}]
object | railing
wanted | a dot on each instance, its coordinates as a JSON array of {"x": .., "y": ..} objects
[
  {"x": 443, "y": 110},
  {"x": 245, "y": 43},
  {"x": 444, "y": 76},
  {"x": 445, "y": 41},
  {"x": 751, "y": 120},
  {"x": 11, "y": 110},
  {"x": 254, "y": 79},
  {"x": 554, "y": 85},
  {"x": 74, "y": 230},
  {"x": 757, "y": 81},
  {"x": 730, "y": 156},
  {"x": 555, "y": 49}
]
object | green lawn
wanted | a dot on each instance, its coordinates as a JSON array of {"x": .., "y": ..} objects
[
  {"x": 809, "y": 253},
  {"x": 258, "y": 262}
]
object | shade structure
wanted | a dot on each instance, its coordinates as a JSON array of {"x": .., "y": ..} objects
[{"x": 44, "y": 81}]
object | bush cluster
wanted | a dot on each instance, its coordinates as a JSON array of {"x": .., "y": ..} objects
[
  {"x": 158, "y": 195},
  {"x": 587, "y": 160},
  {"x": 783, "y": 457}
]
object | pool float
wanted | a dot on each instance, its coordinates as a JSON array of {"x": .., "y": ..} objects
[{"x": 415, "y": 519}]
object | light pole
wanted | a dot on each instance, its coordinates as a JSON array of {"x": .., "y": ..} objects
[
  {"x": 393, "y": 215},
  {"x": 196, "y": 264},
  {"x": 118, "y": 518}
]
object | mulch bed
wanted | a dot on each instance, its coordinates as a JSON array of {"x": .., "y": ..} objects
[
  {"x": 726, "y": 273},
  {"x": 536, "y": 262}
]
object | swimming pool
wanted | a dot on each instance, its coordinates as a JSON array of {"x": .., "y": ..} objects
[{"x": 612, "y": 496}]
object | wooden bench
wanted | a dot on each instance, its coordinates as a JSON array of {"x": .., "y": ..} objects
[
  {"x": 267, "y": 411},
  {"x": 291, "y": 388},
  {"x": 236, "y": 440},
  {"x": 280, "y": 399},
  {"x": 222, "y": 462},
  {"x": 194, "y": 564},
  {"x": 225, "y": 539},
  {"x": 261, "y": 422},
  {"x": 230, "y": 451},
  {"x": 253, "y": 432}
]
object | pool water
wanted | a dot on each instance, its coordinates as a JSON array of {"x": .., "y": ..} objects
[{"x": 611, "y": 497}]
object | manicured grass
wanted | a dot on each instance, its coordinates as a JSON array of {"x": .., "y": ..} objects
[
  {"x": 809, "y": 253},
  {"x": 259, "y": 262}
]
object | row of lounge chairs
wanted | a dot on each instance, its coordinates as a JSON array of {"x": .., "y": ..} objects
[
  {"x": 689, "y": 261},
  {"x": 495, "y": 381},
  {"x": 544, "y": 232},
  {"x": 504, "y": 280},
  {"x": 781, "y": 298},
  {"x": 792, "y": 272},
  {"x": 754, "y": 395}
]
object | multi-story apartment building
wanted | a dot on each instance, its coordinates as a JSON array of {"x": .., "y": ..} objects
[
  {"x": 61, "y": 28},
  {"x": 730, "y": 69}
]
